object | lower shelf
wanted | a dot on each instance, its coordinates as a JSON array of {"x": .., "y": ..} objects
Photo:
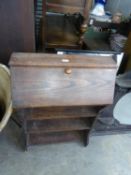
[
  {"x": 58, "y": 125},
  {"x": 45, "y": 138},
  {"x": 61, "y": 112}
]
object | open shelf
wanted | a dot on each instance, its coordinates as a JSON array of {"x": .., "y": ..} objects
[
  {"x": 61, "y": 112},
  {"x": 59, "y": 125},
  {"x": 45, "y": 138}
]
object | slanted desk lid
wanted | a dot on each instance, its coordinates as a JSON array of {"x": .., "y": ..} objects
[{"x": 54, "y": 60}]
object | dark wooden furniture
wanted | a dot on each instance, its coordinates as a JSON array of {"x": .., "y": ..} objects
[
  {"x": 60, "y": 27},
  {"x": 126, "y": 62},
  {"x": 59, "y": 96},
  {"x": 16, "y": 27}
]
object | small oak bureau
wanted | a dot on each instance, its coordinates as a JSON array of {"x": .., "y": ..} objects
[{"x": 59, "y": 96}]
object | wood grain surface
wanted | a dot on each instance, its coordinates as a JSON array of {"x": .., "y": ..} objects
[
  {"x": 54, "y": 60},
  {"x": 65, "y": 6},
  {"x": 60, "y": 112},
  {"x": 58, "y": 125},
  {"x": 45, "y": 138},
  {"x": 16, "y": 28},
  {"x": 47, "y": 82}
]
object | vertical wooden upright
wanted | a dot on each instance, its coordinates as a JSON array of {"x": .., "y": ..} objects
[{"x": 16, "y": 27}]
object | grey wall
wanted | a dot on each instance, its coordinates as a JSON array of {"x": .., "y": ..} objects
[{"x": 123, "y": 6}]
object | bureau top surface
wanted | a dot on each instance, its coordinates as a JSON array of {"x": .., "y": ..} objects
[{"x": 54, "y": 60}]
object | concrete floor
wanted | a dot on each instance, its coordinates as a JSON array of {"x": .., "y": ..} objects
[{"x": 105, "y": 155}]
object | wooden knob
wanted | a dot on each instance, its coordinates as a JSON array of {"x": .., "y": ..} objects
[{"x": 68, "y": 70}]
